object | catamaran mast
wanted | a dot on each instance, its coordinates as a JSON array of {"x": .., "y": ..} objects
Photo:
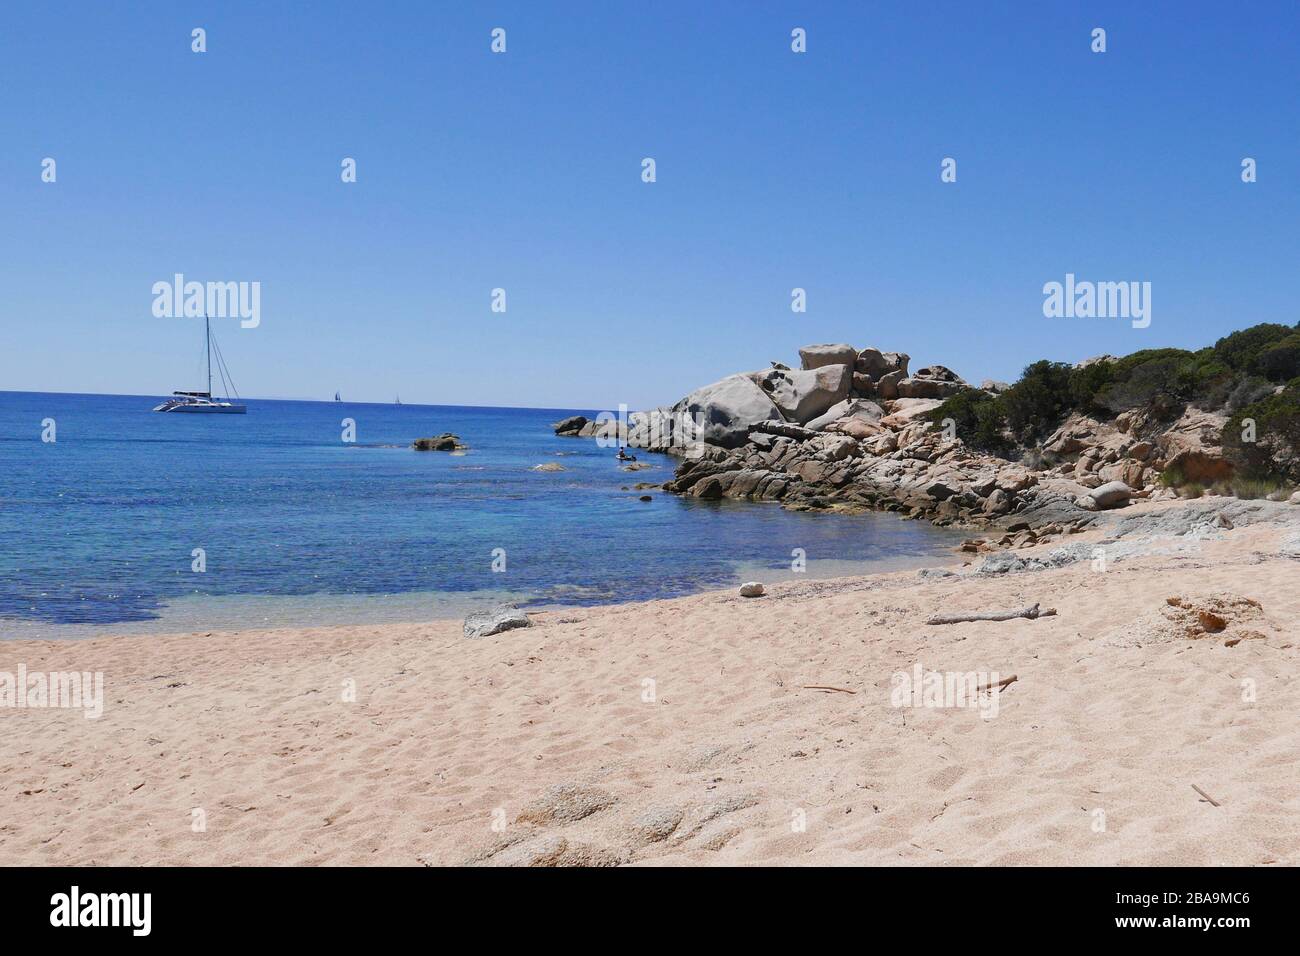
[{"x": 207, "y": 338}]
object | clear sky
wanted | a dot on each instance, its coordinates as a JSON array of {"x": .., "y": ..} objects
[{"x": 775, "y": 170}]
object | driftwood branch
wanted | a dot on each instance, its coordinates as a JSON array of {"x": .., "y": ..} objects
[
  {"x": 1030, "y": 612},
  {"x": 1213, "y": 802},
  {"x": 842, "y": 690},
  {"x": 1000, "y": 685}
]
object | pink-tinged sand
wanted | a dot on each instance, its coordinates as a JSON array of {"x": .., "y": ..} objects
[{"x": 448, "y": 736}]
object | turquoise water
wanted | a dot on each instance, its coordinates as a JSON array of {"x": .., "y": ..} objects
[{"x": 98, "y": 528}]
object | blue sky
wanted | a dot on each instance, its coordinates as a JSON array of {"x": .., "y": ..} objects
[{"x": 522, "y": 171}]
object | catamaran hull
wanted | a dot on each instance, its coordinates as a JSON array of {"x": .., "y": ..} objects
[
  {"x": 219, "y": 410},
  {"x": 204, "y": 409}
]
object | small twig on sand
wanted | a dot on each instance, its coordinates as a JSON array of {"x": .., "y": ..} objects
[
  {"x": 1213, "y": 802},
  {"x": 1005, "y": 682},
  {"x": 842, "y": 690},
  {"x": 1030, "y": 612}
]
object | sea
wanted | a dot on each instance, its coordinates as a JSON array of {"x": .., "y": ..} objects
[{"x": 117, "y": 520}]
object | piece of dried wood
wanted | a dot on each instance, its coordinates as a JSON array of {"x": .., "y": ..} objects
[
  {"x": 1213, "y": 802},
  {"x": 842, "y": 690},
  {"x": 1030, "y": 612},
  {"x": 1005, "y": 682}
]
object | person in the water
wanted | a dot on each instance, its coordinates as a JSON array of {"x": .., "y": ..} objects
[{"x": 624, "y": 456}]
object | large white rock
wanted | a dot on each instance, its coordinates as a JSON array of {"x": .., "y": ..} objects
[
  {"x": 719, "y": 414},
  {"x": 803, "y": 395},
  {"x": 817, "y": 356},
  {"x": 727, "y": 409}
]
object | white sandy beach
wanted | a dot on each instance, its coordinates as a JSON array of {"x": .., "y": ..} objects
[{"x": 1091, "y": 758}]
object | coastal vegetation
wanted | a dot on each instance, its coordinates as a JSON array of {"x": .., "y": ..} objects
[{"x": 1250, "y": 376}]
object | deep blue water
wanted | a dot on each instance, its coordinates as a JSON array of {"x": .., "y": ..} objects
[{"x": 98, "y": 527}]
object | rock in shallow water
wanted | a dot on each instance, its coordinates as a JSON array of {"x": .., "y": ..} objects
[
  {"x": 444, "y": 442},
  {"x": 571, "y": 425},
  {"x": 495, "y": 620},
  {"x": 751, "y": 589}
]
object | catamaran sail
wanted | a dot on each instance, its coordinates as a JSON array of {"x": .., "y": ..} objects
[{"x": 203, "y": 402}]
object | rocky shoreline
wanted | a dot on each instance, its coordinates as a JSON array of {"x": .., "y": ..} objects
[{"x": 853, "y": 430}]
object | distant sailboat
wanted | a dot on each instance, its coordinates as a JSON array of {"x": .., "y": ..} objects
[
  {"x": 398, "y": 401},
  {"x": 203, "y": 402},
  {"x": 336, "y": 397}
]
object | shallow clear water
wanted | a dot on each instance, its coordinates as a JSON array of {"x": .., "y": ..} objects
[{"x": 97, "y": 528}]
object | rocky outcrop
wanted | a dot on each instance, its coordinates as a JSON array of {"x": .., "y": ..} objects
[
  {"x": 572, "y": 425},
  {"x": 912, "y": 470},
  {"x": 444, "y": 442},
  {"x": 852, "y": 430}
]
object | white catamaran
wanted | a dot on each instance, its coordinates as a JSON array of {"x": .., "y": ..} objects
[{"x": 203, "y": 402}]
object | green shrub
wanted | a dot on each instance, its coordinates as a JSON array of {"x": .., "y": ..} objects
[
  {"x": 1274, "y": 455},
  {"x": 1280, "y": 362},
  {"x": 979, "y": 420},
  {"x": 1150, "y": 385},
  {"x": 1036, "y": 404},
  {"x": 1241, "y": 390},
  {"x": 1086, "y": 383},
  {"x": 1252, "y": 489},
  {"x": 1172, "y": 477},
  {"x": 1240, "y": 350},
  {"x": 1163, "y": 381}
]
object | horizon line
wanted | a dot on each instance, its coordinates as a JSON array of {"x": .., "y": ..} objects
[{"x": 321, "y": 401}]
